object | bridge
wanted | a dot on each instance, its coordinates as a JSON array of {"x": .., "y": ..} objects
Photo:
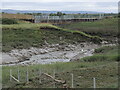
[
  {"x": 66, "y": 18},
  {"x": 45, "y": 18}
]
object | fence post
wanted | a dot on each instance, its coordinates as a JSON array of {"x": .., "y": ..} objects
[
  {"x": 40, "y": 76},
  {"x": 54, "y": 78},
  {"x": 10, "y": 75},
  {"x": 94, "y": 83},
  {"x": 72, "y": 80},
  {"x": 27, "y": 75},
  {"x": 18, "y": 74},
  {"x": 48, "y": 19}
]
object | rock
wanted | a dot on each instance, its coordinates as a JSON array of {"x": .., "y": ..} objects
[
  {"x": 77, "y": 84},
  {"x": 82, "y": 45},
  {"x": 79, "y": 77},
  {"x": 65, "y": 86},
  {"x": 67, "y": 49},
  {"x": 43, "y": 51},
  {"x": 104, "y": 42}
]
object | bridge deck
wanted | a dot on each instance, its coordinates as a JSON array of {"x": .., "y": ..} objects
[{"x": 67, "y": 20}]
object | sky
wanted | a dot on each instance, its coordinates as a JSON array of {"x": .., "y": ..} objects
[{"x": 110, "y": 6}]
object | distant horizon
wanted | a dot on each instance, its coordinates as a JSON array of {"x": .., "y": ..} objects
[
  {"x": 56, "y": 11},
  {"x": 106, "y": 7}
]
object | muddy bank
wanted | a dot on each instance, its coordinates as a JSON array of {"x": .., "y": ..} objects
[{"x": 49, "y": 54}]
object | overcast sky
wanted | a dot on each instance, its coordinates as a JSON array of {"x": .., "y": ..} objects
[{"x": 62, "y": 5}]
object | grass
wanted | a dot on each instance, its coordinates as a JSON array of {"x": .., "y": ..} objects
[
  {"x": 8, "y": 21},
  {"x": 106, "y": 53},
  {"x": 105, "y": 72},
  {"x": 103, "y": 28},
  {"x": 103, "y": 65},
  {"x": 28, "y": 35}
]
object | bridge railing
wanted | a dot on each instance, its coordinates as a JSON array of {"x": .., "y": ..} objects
[{"x": 67, "y": 17}]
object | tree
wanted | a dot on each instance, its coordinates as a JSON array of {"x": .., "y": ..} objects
[{"x": 59, "y": 13}]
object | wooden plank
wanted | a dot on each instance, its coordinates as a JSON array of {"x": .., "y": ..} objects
[
  {"x": 14, "y": 78},
  {"x": 60, "y": 81}
]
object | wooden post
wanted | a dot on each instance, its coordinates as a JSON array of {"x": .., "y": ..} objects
[
  {"x": 10, "y": 75},
  {"x": 14, "y": 78},
  {"x": 48, "y": 19},
  {"x": 54, "y": 78},
  {"x": 94, "y": 83},
  {"x": 27, "y": 75},
  {"x": 100, "y": 16},
  {"x": 18, "y": 74},
  {"x": 40, "y": 76},
  {"x": 72, "y": 81}
]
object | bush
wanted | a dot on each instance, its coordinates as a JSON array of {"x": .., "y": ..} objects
[
  {"x": 101, "y": 58},
  {"x": 106, "y": 53},
  {"x": 106, "y": 49},
  {"x": 9, "y": 21}
]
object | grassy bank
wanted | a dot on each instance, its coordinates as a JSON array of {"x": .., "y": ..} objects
[
  {"x": 105, "y": 71},
  {"x": 19, "y": 36},
  {"x": 103, "y": 28},
  {"x": 106, "y": 53}
]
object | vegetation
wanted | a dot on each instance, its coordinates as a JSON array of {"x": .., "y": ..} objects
[
  {"x": 106, "y": 28},
  {"x": 57, "y": 14},
  {"x": 105, "y": 72},
  {"x": 103, "y": 65},
  {"x": 106, "y": 53},
  {"x": 34, "y": 35},
  {"x": 9, "y": 21},
  {"x": 17, "y": 16}
]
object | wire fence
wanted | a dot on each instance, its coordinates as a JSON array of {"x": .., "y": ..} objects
[{"x": 39, "y": 77}]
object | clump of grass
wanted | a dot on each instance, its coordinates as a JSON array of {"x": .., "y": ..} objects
[
  {"x": 106, "y": 53},
  {"x": 9, "y": 21},
  {"x": 95, "y": 39},
  {"x": 106, "y": 49},
  {"x": 96, "y": 58},
  {"x": 24, "y": 26}
]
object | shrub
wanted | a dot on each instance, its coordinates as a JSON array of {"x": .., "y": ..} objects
[
  {"x": 101, "y": 58},
  {"x": 105, "y": 49},
  {"x": 9, "y": 21}
]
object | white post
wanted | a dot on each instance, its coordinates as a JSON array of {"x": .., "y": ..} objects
[
  {"x": 103, "y": 15},
  {"x": 18, "y": 74},
  {"x": 54, "y": 78},
  {"x": 94, "y": 83},
  {"x": 100, "y": 16},
  {"x": 27, "y": 75},
  {"x": 10, "y": 75},
  {"x": 72, "y": 81},
  {"x": 48, "y": 18},
  {"x": 40, "y": 76}
]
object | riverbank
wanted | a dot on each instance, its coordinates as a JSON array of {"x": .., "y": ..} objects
[{"x": 50, "y": 54}]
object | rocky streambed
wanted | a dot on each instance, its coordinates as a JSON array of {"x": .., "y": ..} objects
[{"x": 49, "y": 54}]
